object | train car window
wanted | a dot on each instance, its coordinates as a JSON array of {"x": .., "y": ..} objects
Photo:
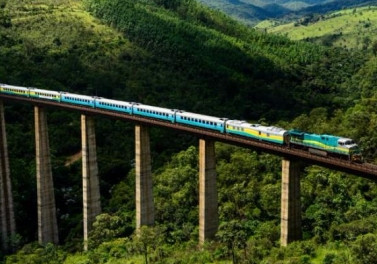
[
  {"x": 259, "y": 133},
  {"x": 268, "y": 134}
]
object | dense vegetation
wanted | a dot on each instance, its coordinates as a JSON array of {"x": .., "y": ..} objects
[{"x": 179, "y": 54}]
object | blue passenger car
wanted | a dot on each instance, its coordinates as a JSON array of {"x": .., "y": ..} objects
[
  {"x": 154, "y": 112},
  {"x": 77, "y": 99},
  {"x": 198, "y": 120},
  {"x": 114, "y": 105}
]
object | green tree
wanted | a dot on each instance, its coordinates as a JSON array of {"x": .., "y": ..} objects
[
  {"x": 364, "y": 250},
  {"x": 147, "y": 239},
  {"x": 234, "y": 236},
  {"x": 105, "y": 228}
]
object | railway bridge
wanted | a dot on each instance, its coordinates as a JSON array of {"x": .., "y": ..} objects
[{"x": 292, "y": 160}]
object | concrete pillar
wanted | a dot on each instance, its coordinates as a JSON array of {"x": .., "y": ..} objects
[
  {"x": 290, "y": 202},
  {"x": 47, "y": 224},
  {"x": 90, "y": 182},
  {"x": 8, "y": 224},
  {"x": 208, "y": 211},
  {"x": 144, "y": 194}
]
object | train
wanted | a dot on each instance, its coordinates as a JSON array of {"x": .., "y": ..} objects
[{"x": 317, "y": 144}]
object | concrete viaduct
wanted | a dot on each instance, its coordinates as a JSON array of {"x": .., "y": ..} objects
[{"x": 208, "y": 214}]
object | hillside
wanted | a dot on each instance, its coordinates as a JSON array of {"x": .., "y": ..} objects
[
  {"x": 351, "y": 29},
  {"x": 187, "y": 57}
]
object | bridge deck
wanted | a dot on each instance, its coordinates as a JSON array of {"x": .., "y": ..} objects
[{"x": 365, "y": 170}]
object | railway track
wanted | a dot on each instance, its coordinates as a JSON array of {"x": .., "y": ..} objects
[{"x": 365, "y": 170}]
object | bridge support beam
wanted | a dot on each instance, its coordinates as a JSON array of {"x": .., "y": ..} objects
[
  {"x": 208, "y": 211},
  {"x": 290, "y": 202},
  {"x": 8, "y": 224},
  {"x": 47, "y": 223},
  {"x": 90, "y": 182},
  {"x": 144, "y": 194}
]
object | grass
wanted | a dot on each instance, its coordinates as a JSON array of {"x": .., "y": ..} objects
[
  {"x": 340, "y": 251},
  {"x": 349, "y": 28},
  {"x": 67, "y": 19}
]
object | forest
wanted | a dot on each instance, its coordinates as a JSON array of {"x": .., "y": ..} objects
[{"x": 183, "y": 55}]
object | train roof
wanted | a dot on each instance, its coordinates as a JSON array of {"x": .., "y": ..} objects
[
  {"x": 153, "y": 108},
  {"x": 199, "y": 116},
  {"x": 43, "y": 91},
  {"x": 338, "y": 139},
  {"x": 111, "y": 101},
  {"x": 301, "y": 133},
  {"x": 13, "y": 86},
  {"x": 77, "y": 96},
  {"x": 258, "y": 127}
]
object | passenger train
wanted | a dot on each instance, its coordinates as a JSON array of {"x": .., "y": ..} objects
[{"x": 323, "y": 145}]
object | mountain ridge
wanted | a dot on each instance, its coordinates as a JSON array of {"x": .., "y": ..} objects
[{"x": 287, "y": 9}]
